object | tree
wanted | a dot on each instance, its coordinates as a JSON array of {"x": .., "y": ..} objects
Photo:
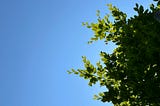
[{"x": 131, "y": 73}]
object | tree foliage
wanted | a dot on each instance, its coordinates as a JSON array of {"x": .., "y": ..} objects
[{"x": 131, "y": 73}]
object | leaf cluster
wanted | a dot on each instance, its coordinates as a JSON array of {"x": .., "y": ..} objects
[{"x": 131, "y": 74}]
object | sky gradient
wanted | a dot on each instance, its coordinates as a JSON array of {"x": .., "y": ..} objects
[{"x": 40, "y": 40}]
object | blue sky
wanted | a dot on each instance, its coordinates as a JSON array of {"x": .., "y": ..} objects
[{"x": 39, "y": 41}]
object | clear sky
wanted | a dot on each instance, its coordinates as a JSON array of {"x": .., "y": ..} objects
[{"x": 39, "y": 41}]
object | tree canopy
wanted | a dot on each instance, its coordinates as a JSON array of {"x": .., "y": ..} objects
[{"x": 131, "y": 74}]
